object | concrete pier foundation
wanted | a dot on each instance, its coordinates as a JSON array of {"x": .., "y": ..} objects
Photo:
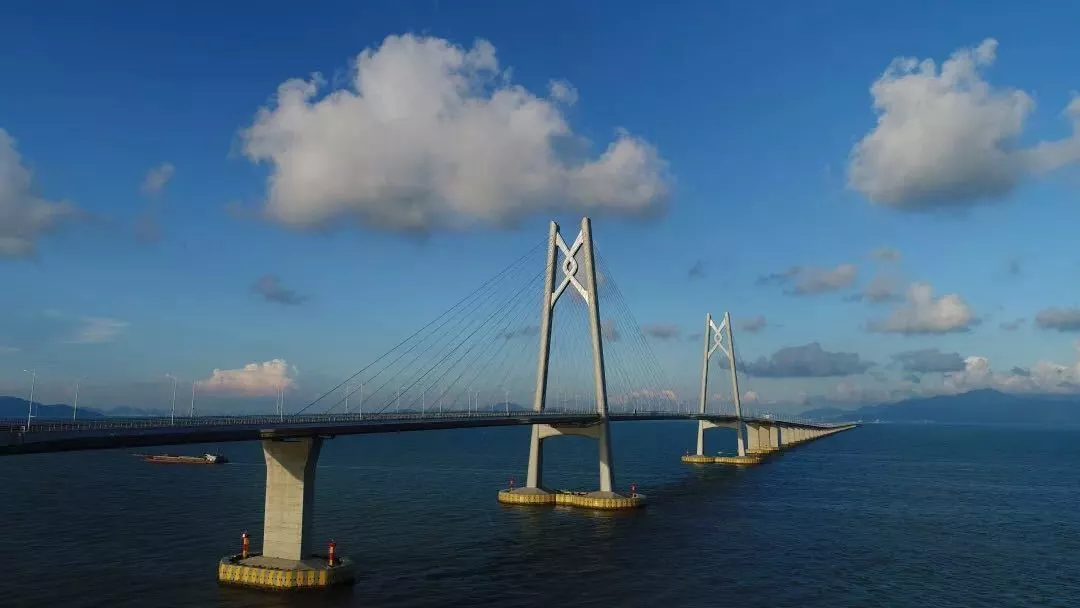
[
  {"x": 760, "y": 439},
  {"x": 534, "y": 492},
  {"x": 287, "y": 560},
  {"x": 702, "y": 458}
]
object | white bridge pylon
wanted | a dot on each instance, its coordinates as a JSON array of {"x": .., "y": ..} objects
[
  {"x": 718, "y": 338},
  {"x": 562, "y": 260}
]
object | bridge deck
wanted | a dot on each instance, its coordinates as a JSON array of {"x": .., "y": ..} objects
[{"x": 60, "y": 436}]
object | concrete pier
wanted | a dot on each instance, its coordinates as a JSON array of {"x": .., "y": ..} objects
[
  {"x": 290, "y": 497},
  {"x": 534, "y": 492},
  {"x": 287, "y": 560}
]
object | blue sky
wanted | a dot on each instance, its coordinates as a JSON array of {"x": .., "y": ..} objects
[{"x": 743, "y": 126}]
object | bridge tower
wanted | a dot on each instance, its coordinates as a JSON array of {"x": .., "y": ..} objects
[
  {"x": 719, "y": 338},
  {"x": 583, "y": 281}
]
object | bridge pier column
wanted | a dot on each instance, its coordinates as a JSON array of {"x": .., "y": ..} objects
[
  {"x": 752, "y": 437},
  {"x": 533, "y": 477},
  {"x": 286, "y": 561},
  {"x": 786, "y": 437},
  {"x": 290, "y": 496},
  {"x": 774, "y": 437}
]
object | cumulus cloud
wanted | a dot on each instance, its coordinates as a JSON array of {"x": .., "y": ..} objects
[
  {"x": 885, "y": 253},
  {"x": 753, "y": 324},
  {"x": 1060, "y": 319},
  {"x": 644, "y": 397},
  {"x": 661, "y": 331},
  {"x": 157, "y": 178},
  {"x": 520, "y": 332},
  {"x": 807, "y": 361},
  {"x": 1042, "y": 377},
  {"x": 24, "y": 216},
  {"x": 929, "y": 360},
  {"x": 948, "y": 138},
  {"x": 93, "y": 330},
  {"x": 925, "y": 314},
  {"x": 429, "y": 135},
  {"x": 253, "y": 380},
  {"x": 272, "y": 290},
  {"x": 810, "y": 280}
]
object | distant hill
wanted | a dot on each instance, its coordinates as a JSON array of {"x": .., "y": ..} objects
[
  {"x": 984, "y": 406},
  {"x": 14, "y": 407}
]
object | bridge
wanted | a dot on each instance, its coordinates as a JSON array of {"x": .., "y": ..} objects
[{"x": 436, "y": 361}]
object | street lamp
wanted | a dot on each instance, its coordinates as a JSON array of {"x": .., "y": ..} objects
[
  {"x": 76, "y": 407},
  {"x": 191, "y": 412},
  {"x": 30, "y": 409},
  {"x": 172, "y": 406}
]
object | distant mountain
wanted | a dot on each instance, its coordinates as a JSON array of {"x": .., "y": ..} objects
[
  {"x": 984, "y": 406},
  {"x": 14, "y": 407}
]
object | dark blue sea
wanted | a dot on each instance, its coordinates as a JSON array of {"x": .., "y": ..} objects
[{"x": 884, "y": 515}]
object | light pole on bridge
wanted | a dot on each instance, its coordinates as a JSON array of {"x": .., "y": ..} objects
[
  {"x": 33, "y": 385},
  {"x": 75, "y": 408},
  {"x": 191, "y": 412},
  {"x": 172, "y": 405}
]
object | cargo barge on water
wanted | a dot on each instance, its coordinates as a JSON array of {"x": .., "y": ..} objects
[{"x": 174, "y": 459}]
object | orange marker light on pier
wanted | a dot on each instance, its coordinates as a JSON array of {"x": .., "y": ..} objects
[
  {"x": 330, "y": 553},
  {"x": 245, "y": 545}
]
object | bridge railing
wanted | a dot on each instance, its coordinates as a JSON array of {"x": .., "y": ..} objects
[{"x": 271, "y": 420}]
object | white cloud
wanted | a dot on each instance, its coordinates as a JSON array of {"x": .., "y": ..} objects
[
  {"x": 924, "y": 314},
  {"x": 8, "y": 349},
  {"x": 93, "y": 330},
  {"x": 429, "y": 135},
  {"x": 252, "y": 380},
  {"x": 1043, "y": 377},
  {"x": 947, "y": 137},
  {"x": 157, "y": 178},
  {"x": 646, "y": 398},
  {"x": 24, "y": 216}
]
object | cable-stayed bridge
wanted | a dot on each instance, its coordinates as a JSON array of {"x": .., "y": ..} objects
[{"x": 473, "y": 366}]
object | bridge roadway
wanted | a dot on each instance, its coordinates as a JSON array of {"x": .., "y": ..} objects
[{"x": 109, "y": 433}]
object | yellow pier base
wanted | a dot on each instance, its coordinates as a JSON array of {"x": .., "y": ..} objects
[
  {"x": 731, "y": 460},
  {"x": 761, "y": 452},
  {"x": 584, "y": 500},
  {"x": 283, "y": 574}
]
